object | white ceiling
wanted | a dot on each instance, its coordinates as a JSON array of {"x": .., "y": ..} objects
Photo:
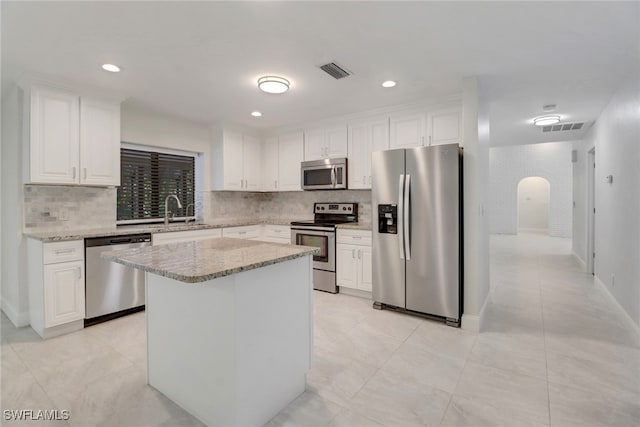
[{"x": 201, "y": 60}]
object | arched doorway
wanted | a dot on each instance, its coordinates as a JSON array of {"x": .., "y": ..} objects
[{"x": 534, "y": 194}]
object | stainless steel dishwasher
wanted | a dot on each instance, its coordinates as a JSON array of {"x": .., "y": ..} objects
[{"x": 112, "y": 290}]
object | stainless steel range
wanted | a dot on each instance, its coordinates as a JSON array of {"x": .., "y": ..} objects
[{"x": 321, "y": 233}]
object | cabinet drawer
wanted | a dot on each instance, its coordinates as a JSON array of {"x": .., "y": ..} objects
[
  {"x": 354, "y": 237},
  {"x": 244, "y": 232},
  {"x": 277, "y": 231},
  {"x": 63, "y": 251},
  {"x": 185, "y": 236}
]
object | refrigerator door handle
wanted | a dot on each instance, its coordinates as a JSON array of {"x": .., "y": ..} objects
[
  {"x": 406, "y": 210},
  {"x": 401, "y": 216}
]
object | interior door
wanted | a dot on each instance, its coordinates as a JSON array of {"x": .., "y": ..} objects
[
  {"x": 388, "y": 262},
  {"x": 433, "y": 270}
]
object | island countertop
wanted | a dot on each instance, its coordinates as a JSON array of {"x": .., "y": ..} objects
[{"x": 200, "y": 261}]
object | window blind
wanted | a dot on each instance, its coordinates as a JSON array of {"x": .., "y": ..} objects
[{"x": 147, "y": 178}]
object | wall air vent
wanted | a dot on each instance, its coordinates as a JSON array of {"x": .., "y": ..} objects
[
  {"x": 334, "y": 70},
  {"x": 562, "y": 127}
]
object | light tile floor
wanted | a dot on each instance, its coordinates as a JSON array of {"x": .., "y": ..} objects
[{"x": 555, "y": 352}]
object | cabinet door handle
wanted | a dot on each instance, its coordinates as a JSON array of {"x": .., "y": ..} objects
[
  {"x": 64, "y": 251},
  {"x": 359, "y": 253},
  {"x": 429, "y": 140},
  {"x": 356, "y": 237},
  {"x": 275, "y": 184},
  {"x": 74, "y": 172},
  {"x": 79, "y": 273},
  {"x": 369, "y": 179},
  {"x": 364, "y": 179},
  {"x": 84, "y": 173},
  {"x": 353, "y": 253}
]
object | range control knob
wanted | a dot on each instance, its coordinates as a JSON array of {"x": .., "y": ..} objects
[
  {"x": 349, "y": 207},
  {"x": 344, "y": 208}
]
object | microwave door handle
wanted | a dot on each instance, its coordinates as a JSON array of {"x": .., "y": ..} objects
[
  {"x": 407, "y": 215},
  {"x": 333, "y": 177},
  {"x": 400, "y": 226}
]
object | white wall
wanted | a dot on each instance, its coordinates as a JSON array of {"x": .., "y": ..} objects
[
  {"x": 616, "y": 136},
  {"x": 509, "y": 165},
  {"x": 533, "y": 204},
  {"x": 475, "y": 181}
]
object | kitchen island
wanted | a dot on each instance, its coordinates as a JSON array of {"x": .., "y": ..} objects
[{"x": 229, "y": 325}]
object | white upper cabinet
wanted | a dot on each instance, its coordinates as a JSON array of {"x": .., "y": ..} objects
[
  {"x": 99, "y": 142},
  {"x": 54, "y": 136},
  {"x": 364, "y": 138},
  {"x": 252, "y": 153},
  {"x": 290, "y": 155},
  {"x": 444, "y": 127},
  {"x": 270, "y": 164},
  {"x": 406, "y": 130},
  {"x": 325, "y": 143},
  {"x": 237, "y": 162},
  {"x": 73, "y": 139}
]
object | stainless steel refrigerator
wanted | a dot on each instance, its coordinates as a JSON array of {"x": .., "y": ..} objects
[{"x": 417, "y": 240}]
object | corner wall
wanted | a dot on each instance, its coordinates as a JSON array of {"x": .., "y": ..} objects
[
  {"x": 509, "y": 165},
  {"x": 616, "y": 136}
]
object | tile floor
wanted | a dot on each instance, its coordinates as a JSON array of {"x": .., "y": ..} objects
[{"x": 554, "y": 353}]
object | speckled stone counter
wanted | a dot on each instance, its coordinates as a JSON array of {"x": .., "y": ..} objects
[
  {"x": 60, "y": 236},
  {"x": 194, "y": 262}
]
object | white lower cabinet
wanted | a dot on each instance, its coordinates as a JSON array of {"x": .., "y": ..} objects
[
  {"x": 185, "y": 236},
  {"x": 353, "y": 259},
  {"x": 249, "y": 232},
  {"x": 276, "y": 233},
  {"x": 56, "y": 286}
]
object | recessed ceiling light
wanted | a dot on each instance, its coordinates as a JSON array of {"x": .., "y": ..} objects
[
  {"x": 111, "y": 68},
  {"x": 256, "y": 114},
  {"x": 388, "y": 83},
  {"x": 546, "y": 120},
  {"x": 273, "y": 84}
]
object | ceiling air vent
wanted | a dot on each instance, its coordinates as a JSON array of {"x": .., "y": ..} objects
[
  {"x": 335, "y": 70},
  {"x": 562, "y": 127}
]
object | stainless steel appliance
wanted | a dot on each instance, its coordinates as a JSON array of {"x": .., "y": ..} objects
[
  {"x": 417, "y": 241},
  {"x": 327, "y": 174},
  {"x": 321, "y": 233},
  {"x": 112, "y": 289}
]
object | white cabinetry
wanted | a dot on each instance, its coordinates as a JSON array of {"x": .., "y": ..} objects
[
  {"x": 364, "y": 138},
  {"x": 406, "y": 130},
  {"x": 276, "y": 233},
  {"x": 236, "y": 162},
  {"x": 325, "y": 143},
  {"x": 249, "y": 232},
  {"x": 185, "y": 236},
  {"x": 72, "y": 139},
  {"x": 444, "y": 127},
  {"x": 353, "y": 259},
  {"x": 56, "y": 286},
  {"x": 281, "y": 157}
]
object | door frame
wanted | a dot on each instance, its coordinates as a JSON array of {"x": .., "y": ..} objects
[{"x": 591, "y": 206}]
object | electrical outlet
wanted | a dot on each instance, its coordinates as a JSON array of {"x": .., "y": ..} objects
[{"x": 613, "y": 280}]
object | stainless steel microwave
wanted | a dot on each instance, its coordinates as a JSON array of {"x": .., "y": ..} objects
[{"x": 327, "y": 174}]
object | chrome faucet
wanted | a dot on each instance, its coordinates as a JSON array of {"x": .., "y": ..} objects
[
  {"x": 166, "y": 207},
  {"x": 186, "y": 212}
]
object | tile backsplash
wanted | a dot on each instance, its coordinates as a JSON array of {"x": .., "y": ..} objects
[
  {"x": 221, "y": 205},
  {"x": 60, "y": 207}
]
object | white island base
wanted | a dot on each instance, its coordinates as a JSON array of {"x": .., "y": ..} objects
[{"x": 232, "y": 351}]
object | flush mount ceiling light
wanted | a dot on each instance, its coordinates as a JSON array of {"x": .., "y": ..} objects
[
  {"x": 546, "y": 120},
  {"x": 273, "y": 84},
  {"x": 111, "y": 68},
  {"x": 388, "y": 83},
  {"x": 256, "y": 114}
]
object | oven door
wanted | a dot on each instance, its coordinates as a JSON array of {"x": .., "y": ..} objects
[{"x": 324, "y": 240}]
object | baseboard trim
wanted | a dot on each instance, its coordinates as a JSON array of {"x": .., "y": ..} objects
[
  {"x": 475, "y": 322},
  {"x": 580, "y": 261},
  {"x": 355, "y": 292},
  {"x": 633, "y": 326},
  {"x": 18, "y": 319}
]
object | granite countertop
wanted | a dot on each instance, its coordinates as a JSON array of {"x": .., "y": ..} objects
[
  {"x": 355, "y": 226},
  {"x": 193, "y": 262},
  {"x": 123, "y": 230}
]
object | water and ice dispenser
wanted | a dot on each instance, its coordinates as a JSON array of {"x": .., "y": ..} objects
[{"x": 388, "y": 219}]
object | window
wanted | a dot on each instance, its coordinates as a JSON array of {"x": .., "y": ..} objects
[{"x": 147, "y": 178}]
